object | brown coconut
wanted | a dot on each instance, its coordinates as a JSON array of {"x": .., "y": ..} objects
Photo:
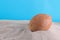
[{"x": 40, "y": 22}]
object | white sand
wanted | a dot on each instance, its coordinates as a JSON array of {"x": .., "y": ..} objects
[
  {"x": 13, "y": 30},
  {"x": 52, "y": 34}
]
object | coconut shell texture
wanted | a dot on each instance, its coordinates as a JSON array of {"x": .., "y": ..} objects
[{"x": 40, "y": 22}]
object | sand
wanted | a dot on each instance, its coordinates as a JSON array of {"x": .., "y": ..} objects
[{"x": 18, "y": 30}]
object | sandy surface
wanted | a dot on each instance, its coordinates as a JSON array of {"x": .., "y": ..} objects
[
  {"x": 14, "y": 31},
  {"x": 52, "y": 34},
  {"x": 20, "y": 31}
]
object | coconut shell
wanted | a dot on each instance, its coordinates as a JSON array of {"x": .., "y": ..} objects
[{"x": 40, "y": 22}]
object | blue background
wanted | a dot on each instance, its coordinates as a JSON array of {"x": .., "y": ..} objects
[{"x": 26, "y": 9}]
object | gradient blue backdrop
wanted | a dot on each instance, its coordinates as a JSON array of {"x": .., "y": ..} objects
[{"x": 26, "y": 9}]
